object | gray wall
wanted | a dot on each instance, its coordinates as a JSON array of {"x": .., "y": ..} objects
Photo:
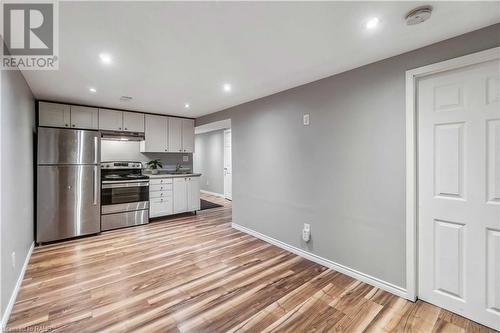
[
  {"x": 208, "y": 160},
  {"x": 130, "y": 151},
  {"x": 17, "y": 201},
  {"x": 345, "y": 173}
]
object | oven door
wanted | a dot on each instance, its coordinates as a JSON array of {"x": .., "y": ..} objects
[{"x": 120, "y": 193}]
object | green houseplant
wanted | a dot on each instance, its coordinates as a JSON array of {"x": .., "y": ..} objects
[{"x": 154, "y": 165}]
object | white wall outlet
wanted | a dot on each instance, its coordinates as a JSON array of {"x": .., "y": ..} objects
[
  {"x": 13, "y": 259},
  {"x": 306, "y": 232},
  {"x": 306, "y": 119},
  {"x": 185, "y": 158}
]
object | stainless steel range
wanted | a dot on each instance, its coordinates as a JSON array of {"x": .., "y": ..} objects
[{"x": 124, "y": 195}]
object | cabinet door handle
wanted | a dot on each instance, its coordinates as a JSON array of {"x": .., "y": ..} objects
[
  {"x": 119, "y": 128},
  {"x": 73, "y": 125},
  {"x": 126, "y": 128},
  {"x": 66, "y": 125}
]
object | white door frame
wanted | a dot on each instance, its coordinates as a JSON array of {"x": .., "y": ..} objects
[
  {"x": 412, "y": 158},
  {"x": 224, "y": 151}
]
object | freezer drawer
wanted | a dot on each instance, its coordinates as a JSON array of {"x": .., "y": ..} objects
[
  {"x": 68, "y": 201},
  {"x": 127, "y": 219},
  {"x": 67, "y": 146}
]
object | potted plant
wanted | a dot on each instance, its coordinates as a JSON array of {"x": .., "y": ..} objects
[{"x": 154, "y": 165}]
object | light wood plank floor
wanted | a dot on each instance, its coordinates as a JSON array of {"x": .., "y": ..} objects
[{"x": 194, "y": 273}]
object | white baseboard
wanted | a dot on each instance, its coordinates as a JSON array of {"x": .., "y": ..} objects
[
  {"x": 212, "y": 193},
  {"x": 13, "y": 296},
  {"x": 396, "y": 290}
]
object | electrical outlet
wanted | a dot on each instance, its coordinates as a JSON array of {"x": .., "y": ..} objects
[
  {"x": 306, "y": 119},
  {"x": 306, "y": 232},
  {"x": 13, "y": 259},
  {"x": 185, "y": 158}
]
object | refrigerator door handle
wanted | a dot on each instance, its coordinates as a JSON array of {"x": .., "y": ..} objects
[
  {"x": 96, "y": 186},
  {"x": 96, "y": 149}
]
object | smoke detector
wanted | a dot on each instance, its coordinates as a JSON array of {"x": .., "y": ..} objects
[{"x": 418, "y": 15}]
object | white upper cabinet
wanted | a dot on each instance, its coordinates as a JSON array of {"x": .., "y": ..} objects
[
  {"x": 133, "y": 121},
  {"x": 175, "y": 134},
  {"x": 111, "y": 120},
  {"x": 156, "y": 134},
  {"x": 53, "y": 114},
  {"x": 84, "y": 117},
  {"x": 188, "y": 135},
  {"x": 162, "y": 133}
]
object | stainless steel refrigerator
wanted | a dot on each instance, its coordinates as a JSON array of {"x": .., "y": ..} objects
[{"x": 68, "y": 184}]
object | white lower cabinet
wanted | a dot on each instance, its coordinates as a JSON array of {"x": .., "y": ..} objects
[
  {"x": 160, "y": 206},
  {"x": 160, "y": 197},
  {"x": 169, "y": 196},
  {"x": 180, "y": 195},
  {"x": 193, "y": 193}
]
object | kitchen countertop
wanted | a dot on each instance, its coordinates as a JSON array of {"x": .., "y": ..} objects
[{"x": 170, "y": 175}]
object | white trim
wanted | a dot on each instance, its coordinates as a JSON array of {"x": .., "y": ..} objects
[
  {"x": 230, "y": 197},
  {"x": 411, "y": 154},
  {"x": 13, "y": 296},
  {"x": 399, "y": 291},
  {"x": 212, "y": 193}
]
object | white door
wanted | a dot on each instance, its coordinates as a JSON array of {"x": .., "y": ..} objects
[
  {"x": 459, "y": 191},
  {"x": 174, "y": 134},
  {"x": 180, "y": 195},
  {"x": 193, "y": 186},
  {"x": 133, "y": 122},
  {"x": 111, "y": 120},
  {"x": 155, "y": 132},
  {"x": 54, "y": 115},
  {"x": 228, "y": 170},
  {"x": 188, "y": 135},
  {"x": 84, "y": 117}
]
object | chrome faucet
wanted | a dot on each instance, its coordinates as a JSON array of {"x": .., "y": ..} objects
[{"x": 178, "y": 167}]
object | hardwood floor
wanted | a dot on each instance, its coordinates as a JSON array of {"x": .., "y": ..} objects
[{"x": 194, "y": 273}]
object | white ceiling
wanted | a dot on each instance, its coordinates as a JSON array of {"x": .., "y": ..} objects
[{"x": 166, "y": 54}]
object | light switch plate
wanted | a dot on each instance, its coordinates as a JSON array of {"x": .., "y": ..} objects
[
  {"x": 306, "y": 119},
  {"x": 185, "y": 158}
]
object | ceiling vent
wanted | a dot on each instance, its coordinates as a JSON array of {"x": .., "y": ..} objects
[
  {"x": 125, "y": 98},
  {"x": 418, "y": 15}
]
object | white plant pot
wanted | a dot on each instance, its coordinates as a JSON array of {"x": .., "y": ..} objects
[{"x": 154, "y": 171}]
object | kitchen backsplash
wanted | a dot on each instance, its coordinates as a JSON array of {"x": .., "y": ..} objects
[{"x": 130, "y": 151}]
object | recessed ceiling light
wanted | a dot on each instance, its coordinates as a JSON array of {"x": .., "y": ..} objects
[
  {"x": 227, "y": 87},
  {"x": 93, "y": 90},
  {"x": 105, "y": 58},
  {"x": 372, "y": 23},
  {"x": 187, "y": 105}
]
